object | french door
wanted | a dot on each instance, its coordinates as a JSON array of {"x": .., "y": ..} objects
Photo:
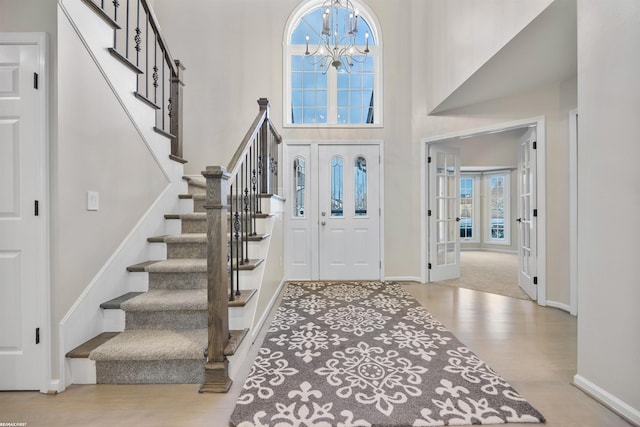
[
  {"x": 333, "y": 222},
  {"x": 527, "y": 212},
  {"x": 443, "y": 211}
]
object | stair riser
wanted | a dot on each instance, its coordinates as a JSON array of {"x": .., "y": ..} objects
[
  {"x": 172, "y": 320},
  {"x": 177, "y": 280},
  {"x": 186, "y": 250},
  {"x": 150, "y": 372},
  {"x": 194, "y": 226}
]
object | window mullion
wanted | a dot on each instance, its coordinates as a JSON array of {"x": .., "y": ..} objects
[{"x": 332, "y": 96}]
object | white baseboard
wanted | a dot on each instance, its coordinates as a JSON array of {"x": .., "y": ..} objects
[
  {"x": 260, "y": 323},
  {"x": 402, "y": 279},
  {"x": 607, "y": 399},
  {"x": 560, "y": 305}
]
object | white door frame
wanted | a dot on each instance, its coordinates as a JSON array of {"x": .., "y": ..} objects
[
  {"x": 573, "y": 212},
  {"x": 314, "y": 144},
  {"x": 541, "y": 146},
  {"x": 42, "y": 299}
]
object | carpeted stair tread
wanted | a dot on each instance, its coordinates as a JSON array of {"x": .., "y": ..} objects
[
  {"x": 168, "y": 300},
  {"x": 191, "y": 265},
  {"x": 116, "y": 303},
  {"x": 195, "y": 182},
  {"x": 153, "y": 344},
  {"x": 83, "y": 350}
]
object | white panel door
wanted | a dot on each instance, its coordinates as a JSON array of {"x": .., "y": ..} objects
[
  {"x": 349, "y": 212},
  {"x": 527, "y": 251},
  {"x": 20, "y": 230},
  {"x": 444, "y": 208}
]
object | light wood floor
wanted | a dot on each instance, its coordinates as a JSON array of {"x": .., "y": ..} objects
[{"x": 532, "y": 347}]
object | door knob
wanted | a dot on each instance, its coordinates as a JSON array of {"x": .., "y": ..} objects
[
  {"x": 324, "y": 223},
  {"x": 519, "y": 219}
]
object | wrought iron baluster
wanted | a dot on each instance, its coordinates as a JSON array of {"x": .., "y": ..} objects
[
  {"x": 138, "y": 38},
  {"x": 231, "y": 252},
  {"x": 116, "y": 4},
  {"x": 146, "y": 64},
  {"x": 247, "y": 219},
  {"x": 237, "y": 225},
  {"x": 164, "y": 83},
  {"x": 254, "y": 181},
  {"x": 126, "y": 35}
]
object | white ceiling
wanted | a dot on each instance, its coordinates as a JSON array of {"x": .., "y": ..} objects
[{"x": 542, "y": 53}]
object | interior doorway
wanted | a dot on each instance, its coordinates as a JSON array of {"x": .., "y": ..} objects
[{"x": 499, "y": 232}]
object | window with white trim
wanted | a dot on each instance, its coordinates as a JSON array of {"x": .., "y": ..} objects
[
  {"x": 469, "y": 208},
  {"x": 497, "y": 223},
  {"x": 316, "y": 93}
]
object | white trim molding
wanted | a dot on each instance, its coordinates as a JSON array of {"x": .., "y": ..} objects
[
  {"x": 573, "y": 212},
  {"x": 621, "y": 408}
]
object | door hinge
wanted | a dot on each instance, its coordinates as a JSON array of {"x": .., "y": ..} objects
[
  {"x": 535, "y": 145},
  {"x": 379, "y": 211},
  {"x": 429, "y": 266},
  {"x": 380, "y": 265},
  {"x": 36, "y": 208},
  {"x": 535, "y": 212},
  {"x": 429, "y": 159},
  {"x": 535, "y": 280},
  {"x": 35, "y": 80},
  {"x": 37, "y": 335},
  {"x": 429, "y": 212}
]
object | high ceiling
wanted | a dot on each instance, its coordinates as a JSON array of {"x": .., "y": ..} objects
[{"x": 542, "y": 53}]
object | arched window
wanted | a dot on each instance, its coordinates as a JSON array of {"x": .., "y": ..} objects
[{"x": 343, "y": 89}]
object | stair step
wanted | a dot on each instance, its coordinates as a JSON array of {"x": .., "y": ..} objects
[
  {"x": 115, "y": 303},
  {"x": 83, "y": 350},
  {"x": 242, "y": 299},
  {"x": 140, "y": 267},
  {"x": 252, "y": 264},
  {"x": 235, "y": 340}
]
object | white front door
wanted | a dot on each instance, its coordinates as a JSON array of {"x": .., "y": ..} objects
[
  {"x": 349, "y": 212},
  {"x": 21, "y": 227},
  {"x": 527, "y": 212},
  {"x": 333, "y": 222},
  {"x": 443, "y": 211}
]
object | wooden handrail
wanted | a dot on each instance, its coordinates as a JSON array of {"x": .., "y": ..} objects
[
  {"x": 242, "y": 149},
  {"x": 153, "y": 20},
  {"x": 233, "y": 203}
]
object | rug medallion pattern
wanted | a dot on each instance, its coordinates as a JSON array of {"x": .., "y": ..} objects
[{"x": 353, "y": 354}]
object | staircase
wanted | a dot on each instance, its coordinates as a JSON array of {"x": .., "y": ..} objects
[
  {"x": 188, "y": 308},
  {"x": 163, "y": 337}
]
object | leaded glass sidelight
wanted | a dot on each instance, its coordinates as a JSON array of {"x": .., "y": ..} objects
[
  {"x": 360, "y": 186},
  {"x": 337, "y": 174},
  {"x": 299, "y": 182}
]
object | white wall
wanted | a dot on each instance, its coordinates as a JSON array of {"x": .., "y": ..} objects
[
  {"x": 481, "y": 30},
  {"x": 608, "y": 197},
  {"x": 233, "y": 54}
]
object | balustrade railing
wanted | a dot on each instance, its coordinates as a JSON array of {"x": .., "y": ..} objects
[
  {"x": 233, "y": 204},
  {"x": 139, "y": 43}
]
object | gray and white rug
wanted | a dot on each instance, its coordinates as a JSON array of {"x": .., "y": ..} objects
[{"x": 367, "y": 354}]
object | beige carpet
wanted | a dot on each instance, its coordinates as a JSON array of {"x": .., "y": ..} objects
[{"x": 492, "y": 272}]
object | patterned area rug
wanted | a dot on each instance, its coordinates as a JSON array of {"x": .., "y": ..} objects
[{"x": 367, "y": 354}]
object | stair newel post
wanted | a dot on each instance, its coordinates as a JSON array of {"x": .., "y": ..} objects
[
  {"x": 175, "y": 114},
  {"x": 217, "y": 368}
]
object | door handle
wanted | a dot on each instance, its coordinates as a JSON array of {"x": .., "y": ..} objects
[
  {"x": 519, "y": 219},
  {"x": 324, "y": 223},
  {"x": 457, "y": 219}
]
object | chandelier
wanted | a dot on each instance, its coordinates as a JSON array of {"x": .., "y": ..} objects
[{"x": 337, "y": 40}]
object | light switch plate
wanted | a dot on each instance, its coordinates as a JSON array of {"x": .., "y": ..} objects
[{"x": 93, "y": 200}]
